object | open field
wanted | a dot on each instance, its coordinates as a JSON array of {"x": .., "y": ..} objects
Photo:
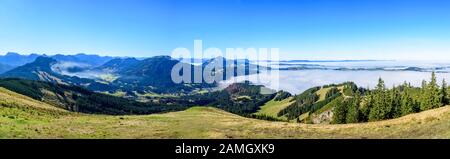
[
  {"x": 22, "y": 117},
  {"x": 272, "y": 107},
  {"x": 322, "y": 93}
]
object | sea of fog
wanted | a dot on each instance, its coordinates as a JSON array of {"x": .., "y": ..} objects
[{"x": 297, "y": 81}]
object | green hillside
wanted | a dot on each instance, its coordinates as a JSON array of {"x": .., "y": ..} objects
[
  {"x": 272, "y": 108},
  {"x": 305, "y": 105},
  {"x": 23, "y": 117}
]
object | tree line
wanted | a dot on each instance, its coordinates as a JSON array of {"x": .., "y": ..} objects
[{"x": 382, "y": 103}]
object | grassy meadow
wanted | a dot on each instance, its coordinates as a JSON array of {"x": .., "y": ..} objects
[{"x": 23, "y": 117}]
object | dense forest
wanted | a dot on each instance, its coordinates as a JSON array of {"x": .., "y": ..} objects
[{"x": 383, "y": 103}]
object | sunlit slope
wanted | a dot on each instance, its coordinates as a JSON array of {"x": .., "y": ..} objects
[
  {"x": 22, "y": 117},
  {"x": 7, "y": 96},
  {"x": 272, "y": 107}
]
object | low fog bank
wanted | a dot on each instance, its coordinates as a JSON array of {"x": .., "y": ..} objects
[{"x": 298, "y": 81}]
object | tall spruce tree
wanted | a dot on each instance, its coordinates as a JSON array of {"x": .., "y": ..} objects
[
  {"x": 407, "y": 101},
  {"x": 396, "y": 101},
  {"x": 431, "y": 95},
  {"x": 424, "y": 97},
  {"x": 378, "y": 111},
  {"x": 367, "y": 106},
  {"x": 340, "y": 112},
  {"x": 353, "y": 109},
  {"x": 433, "y": 88},
  {"x": 444, "y": 93}
]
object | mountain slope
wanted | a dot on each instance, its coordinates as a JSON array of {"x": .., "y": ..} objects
[
  {"x": 312, "y": 100},
  {"x": 118, "y": 65},
  {"x": 272, "y": 108},
  {"x": 78, "y": 99},
  {"x": 4, "y": 68},
  {"x": 151, "y": 75},
  {"x": 92, "y": 60},
  {"x": 41, "y": 70},
  {"x": 238, "y": 66},
  {"x": 147, "y": 76},
  {"x": 28, "y": 121}
]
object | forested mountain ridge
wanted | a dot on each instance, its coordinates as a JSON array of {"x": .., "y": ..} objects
[
  {"x": 348, "y": 103},
  {"x": 383, "y": 103},
  {"x": 309, "y": 105}
]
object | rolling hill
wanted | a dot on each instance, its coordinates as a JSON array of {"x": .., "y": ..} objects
[{"x": 24, "y": 117}]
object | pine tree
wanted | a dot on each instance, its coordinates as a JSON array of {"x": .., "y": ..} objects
[
  {"x": 407, "y": 103},
  {"x": 444, "y": 93},
  {"x": 353, "y": 109},
  {"x": 378, "y": 111},
  {"x": 395, "y": 103},
  {"x": 367, "y": 106},
  {"x": 434, "y": 92},
  {"x": 424, "y": 98},
  {"x": 430, "y": 97},
  {"x": 340, "y": 113}
]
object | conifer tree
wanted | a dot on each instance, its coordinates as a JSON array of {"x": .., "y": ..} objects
[
  {"x": 367, "y": 106},
  {"x": 340, "y": 113},
  {"x": 407, "y": 104},
  {"x": 434, "y": 92},
  {"x": 395, "y": 102},
  {"x": 444, "y": 93},
  {"x": 432, "y": 98},
  {"x": 353, "y": 109},
  {"x": 378, "y": 110},
  {"x": 424, "y": 97}
]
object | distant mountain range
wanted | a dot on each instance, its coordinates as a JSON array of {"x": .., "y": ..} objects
[
  {"x": 98, "y": 73},
  {"x": 41, "y": 70},
  {"x": 152, "y": 74},
  {"x": 15, "y": 59}
]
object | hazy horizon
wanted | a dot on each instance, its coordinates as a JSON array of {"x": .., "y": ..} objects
[
  {"x": 304, "y": 29},
  {"x": 281, "y": 58}
]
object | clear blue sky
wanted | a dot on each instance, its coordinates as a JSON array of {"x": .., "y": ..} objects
[{"x": 302, "y": 29}]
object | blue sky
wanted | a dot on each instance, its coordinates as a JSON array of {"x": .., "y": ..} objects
[{"x": 301, "y": 29}]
